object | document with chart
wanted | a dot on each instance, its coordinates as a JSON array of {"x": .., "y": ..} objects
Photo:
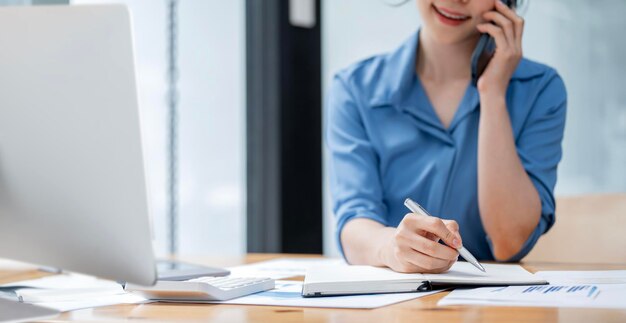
[{"x": 590, "y": 289}]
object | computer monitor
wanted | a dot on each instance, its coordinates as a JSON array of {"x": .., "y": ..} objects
[{"x": 72, "y": 179}]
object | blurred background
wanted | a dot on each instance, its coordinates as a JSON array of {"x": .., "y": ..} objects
[{"x": 250, "y": 84}]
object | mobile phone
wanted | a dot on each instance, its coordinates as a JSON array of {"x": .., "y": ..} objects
[{"x": 485, "y": 49}]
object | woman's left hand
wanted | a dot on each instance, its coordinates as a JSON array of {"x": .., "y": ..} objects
[{"x": 507, "y": 32}]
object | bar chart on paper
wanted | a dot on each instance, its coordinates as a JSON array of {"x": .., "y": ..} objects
[
  {"x": 570, "y": 295},
  {"x": 570, "y": 292}
]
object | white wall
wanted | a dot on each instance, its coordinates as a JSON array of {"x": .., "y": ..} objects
[
  {"x": 212, "y": 120},
  {"x": 582, "y": 39},
  {"x": 14, "y": 2}
]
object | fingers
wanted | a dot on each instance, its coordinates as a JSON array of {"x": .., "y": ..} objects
[
  {"x": 452, "y": 225},
  {"x": 432, "y": 236},
  {"x": 509, "y": 13},
  {"x": 417, "y": 261},
  {"x": 506, "y": 28},
  {"x": 507, "y": 19},
  {"x": 496, "y": 32},
  {"x": 505, "y": 24},
  {"x": 427, "y": 246},
  {"x": 435, "y": 226},
  {"x": 416, "y": 248}
]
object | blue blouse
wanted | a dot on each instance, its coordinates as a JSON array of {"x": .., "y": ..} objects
[{"x": 386, "y": 143}]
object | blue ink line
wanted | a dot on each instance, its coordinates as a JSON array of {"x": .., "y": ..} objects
[{"x": 593, "y": 289}]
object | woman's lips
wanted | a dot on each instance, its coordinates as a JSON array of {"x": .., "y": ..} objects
[{"x": 450, "y": 17}]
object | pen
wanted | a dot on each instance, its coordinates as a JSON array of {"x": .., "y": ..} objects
[{"x": 416, "y": 208}]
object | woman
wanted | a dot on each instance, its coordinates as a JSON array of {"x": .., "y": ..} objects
[{"x": 411, "y": 124}]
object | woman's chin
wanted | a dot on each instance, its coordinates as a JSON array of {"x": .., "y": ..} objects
[{"x": 448, "y": 37}]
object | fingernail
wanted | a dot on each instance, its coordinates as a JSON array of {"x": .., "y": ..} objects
[{"x": 456, "y": 243}]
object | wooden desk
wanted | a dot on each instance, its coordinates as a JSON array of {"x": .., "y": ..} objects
[{"x": 418, "y": 310}]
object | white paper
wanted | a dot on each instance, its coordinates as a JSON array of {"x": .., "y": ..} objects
[
  {"x": 584, "y": 277},
  {"x": 65, "y": 281},
  {"x": 72, "y": 291},
  {"x": 574, "y": 295},
  {"x": 281, "y": 268},
  {"x": 61, "y": 295},
  {"x": 288, "y": 293},
  {"x": 466, "y": 272},
  {"x": 91, "y": 302}
]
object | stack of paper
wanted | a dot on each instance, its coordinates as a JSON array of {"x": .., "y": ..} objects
[
  {"x": 288, "y": 293},
  {"x": 71, "y": 291},
  {"x": 584, "y": 289}
]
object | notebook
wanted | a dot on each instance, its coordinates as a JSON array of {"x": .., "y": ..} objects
[{"x": 351, "y": 280}]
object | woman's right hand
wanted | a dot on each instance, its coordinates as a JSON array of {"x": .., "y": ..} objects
[{"x": 414, "y": 245}]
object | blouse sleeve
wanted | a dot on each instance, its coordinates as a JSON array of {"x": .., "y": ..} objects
[{"x": 353, "y": 175}]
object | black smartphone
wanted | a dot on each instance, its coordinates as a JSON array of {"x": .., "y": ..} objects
[{"x": 485, "y": 49}]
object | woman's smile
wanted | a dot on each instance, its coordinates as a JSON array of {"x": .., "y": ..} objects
[{"x": 450, "y": 17}]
